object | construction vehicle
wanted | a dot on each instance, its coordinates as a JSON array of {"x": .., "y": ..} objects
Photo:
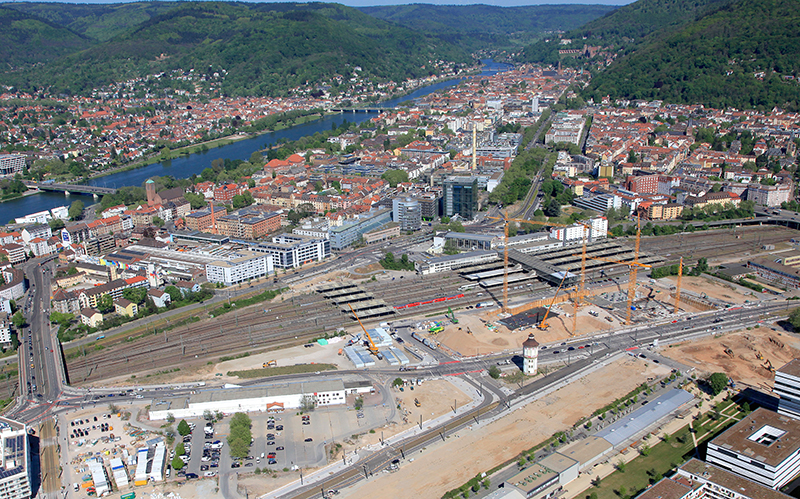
[
  {"x": 728, "y": 352},
  {"x": 416, "y": 402},
  {"x": 543, "y": 325},
  {"x": 768, "y": 366},
  {"x": 452, "y": 316},
  {"x": 269, "y": 363},
  {"x": 506, "y": 221},
  {"x": 369, "y": 343},
  {"x": 759, "y": 355}
]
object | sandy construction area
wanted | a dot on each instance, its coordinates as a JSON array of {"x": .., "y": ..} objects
[
  {"x": 705, "y": 285},
  {"x": 447, "y": 465},
  {"x": 709, "y": 356}
]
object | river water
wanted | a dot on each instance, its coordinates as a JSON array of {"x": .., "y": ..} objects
[{"x": 185, "y": 166}]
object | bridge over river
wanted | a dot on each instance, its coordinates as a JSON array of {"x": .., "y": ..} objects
[{"x": 70, "y": 188}]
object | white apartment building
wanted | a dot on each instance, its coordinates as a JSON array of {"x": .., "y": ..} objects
[
  {"x": 11, "y": 164},
  {"x": 243, "y": 266},
  {"x": 15, "y": 459},
  {"x": 597, "y": 229},
  {"x": 764, "y": 447},
  {"x": 293, "y": 250}
]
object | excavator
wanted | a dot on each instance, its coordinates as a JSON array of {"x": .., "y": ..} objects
[
  {"x": 369, "y": 343},
  {"x": 543, "y": 325},
  {"x": 452, "y": 316}
]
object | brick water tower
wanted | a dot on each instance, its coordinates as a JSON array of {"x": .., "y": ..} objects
[{"x": 530, "y": 356}]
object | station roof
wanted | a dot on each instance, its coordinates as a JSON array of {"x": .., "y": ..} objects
[{"x": 639, "y": 420}]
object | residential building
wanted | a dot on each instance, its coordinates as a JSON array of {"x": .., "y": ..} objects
[
  {"x": 30, "y": 232},
  {"x": 91, "y": 317},
  {"x": 317, "y": 229},
  {"x": 11, "y": 164},
  {"x": 5, "y": 329},
  {"x": 187, "y": 287},
  {"x": 15, "y": 252},
  {"x": 126, "y": 308},
  {"x": 202, "y": 220},
  {"x": 461, "y": 197},
  {"x": 160, "y": 298},
  {"x": 246, "y": 265},
  {"x": 66, "y": 302},
  {"x": 769, "y": 195},
  {"x": 248, "y": 223},
  {"x": 90, "y": 297},
  {"x": 225, "y": 193},
  {"x": 763, "y": 446},
  {"x": 642, "y": 184},
  {"x": 15, "y": 458},
  {"x": 407, "y": 213}
]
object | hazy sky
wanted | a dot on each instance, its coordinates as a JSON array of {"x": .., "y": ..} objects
[{"x": 501, "y": 3}]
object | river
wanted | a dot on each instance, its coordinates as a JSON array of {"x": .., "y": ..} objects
[{"x": 186, "y": 166}]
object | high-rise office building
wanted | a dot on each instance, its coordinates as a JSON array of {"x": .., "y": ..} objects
[{"x": 461, "y": 196}]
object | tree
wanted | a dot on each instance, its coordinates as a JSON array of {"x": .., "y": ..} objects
[
  {"x": 397, "y": 382},
  {"x": 183, "y": 428},
  {"x": 717, "y": 382},
  {"x": 135, "y": 295},
  {"x": 158, "y": 221},
  {"x": 180, "y": 450},
  {"x": 75, "y": 211},
  {"x": 395, "y": 177},
  {"x": 308, "y": 403},
  {"x": 794, "y": 319},
  {"x": 18, "y": 320},
  {"x": 553, "y": 208},
  {"x": 177, "y": 462},
  {"x": 105, "y": 304},
  {"x": 240, "y": 435},
  {"x": 494, "y": 372},
  {"x": 174, "y": 293},
  {"x": 196, "y": 201},
  {"x": 55, "y": 224},
  {"x": 170, "y": 418}
]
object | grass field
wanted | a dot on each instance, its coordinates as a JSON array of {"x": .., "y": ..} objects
[
  {"x": 665, "y": 454},
  {"x": 277, "y": 371}
]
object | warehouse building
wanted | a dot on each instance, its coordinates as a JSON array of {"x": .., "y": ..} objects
[{"x": 273, "y": 397}]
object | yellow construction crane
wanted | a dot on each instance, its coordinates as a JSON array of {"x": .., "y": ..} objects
[
  {"x": 506, "y": 221},
  {"x": 634, "y": 266},
  {"x": 678, "y": 287},
  {"x": 543, "y": 325},
  {"x": 372, "y": 348}
]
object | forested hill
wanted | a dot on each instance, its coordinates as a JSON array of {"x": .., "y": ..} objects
[
  {"x": 624, "y": 29},
  {"x": 96, "y": 21},
  {"x": 27, "y": 39},
  {"x": 477, "y": 27},
  {"x": 746, "y": 54},
  {"x": 261, "y": 49}
]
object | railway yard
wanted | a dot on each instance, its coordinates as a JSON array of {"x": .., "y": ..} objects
[
  {"x": 287, "y": 321},
  {"x": 461, "y": 315}
]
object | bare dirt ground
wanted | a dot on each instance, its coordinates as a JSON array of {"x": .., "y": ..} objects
[
  {"x": 472, "y": 451},
  {"x": 709, "y": 356},
  {"x": 711, "y": 287},
  {"x": 482, "y": 340}
]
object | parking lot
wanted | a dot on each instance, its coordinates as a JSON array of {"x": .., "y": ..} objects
[{"x": 282, "y": 441}]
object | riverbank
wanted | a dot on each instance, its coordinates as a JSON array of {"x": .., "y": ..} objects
[
  {"x": 29, "y": 192},
  {"x": 208, "y": 145}
]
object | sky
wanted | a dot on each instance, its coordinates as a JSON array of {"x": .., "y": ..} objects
[{"x": 499, "y": 3}]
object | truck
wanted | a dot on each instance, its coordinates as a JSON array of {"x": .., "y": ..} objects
[{"x": 484, "y": 304}]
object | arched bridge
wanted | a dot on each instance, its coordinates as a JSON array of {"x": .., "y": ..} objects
[{"x": 70, "y": 188}]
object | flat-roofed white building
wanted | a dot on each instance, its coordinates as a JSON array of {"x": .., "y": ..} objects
[
  {"x": 787, "y": 386},
  {"x": 15, "y": 460},
  {"x": 764, "y": 447},
  {"x": 450, "y": 262},
  {"x": 238, "y": 268},
  {"x": 274, "y": 397}
]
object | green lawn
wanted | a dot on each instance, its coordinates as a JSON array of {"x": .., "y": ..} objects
[
  {"x": 277, "y": 371},
  {"x": 663, "y": 457}
]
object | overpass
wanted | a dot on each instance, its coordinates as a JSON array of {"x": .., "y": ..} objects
[{"x": 70, "y": 188}]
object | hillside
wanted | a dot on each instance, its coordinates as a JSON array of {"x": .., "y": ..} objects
[
  {"x": 26, "y": 39},
  {"x": 97, "y": 21},
  {"x": 741, "y": 55},
  {"x": 479, "y": 27},
  {"x": 624, "y": 29},
  {"x": 261, "y": 49}
]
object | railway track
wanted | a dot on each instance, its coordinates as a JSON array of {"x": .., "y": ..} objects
[{"x": 294, "y": 321}]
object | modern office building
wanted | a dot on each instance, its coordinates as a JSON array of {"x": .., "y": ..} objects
[
  {"x": 407, "y": 213},
  {"x": 349, "y": 233},
  {"x": 241, "y": 267},
  {"x": 787, "y": 387},
  {"x": 461, "y": 197},
  {"x": 293, "y": 250},
  {"x": 15, "y": 459},
  {"x": 764, "y": 447}
]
